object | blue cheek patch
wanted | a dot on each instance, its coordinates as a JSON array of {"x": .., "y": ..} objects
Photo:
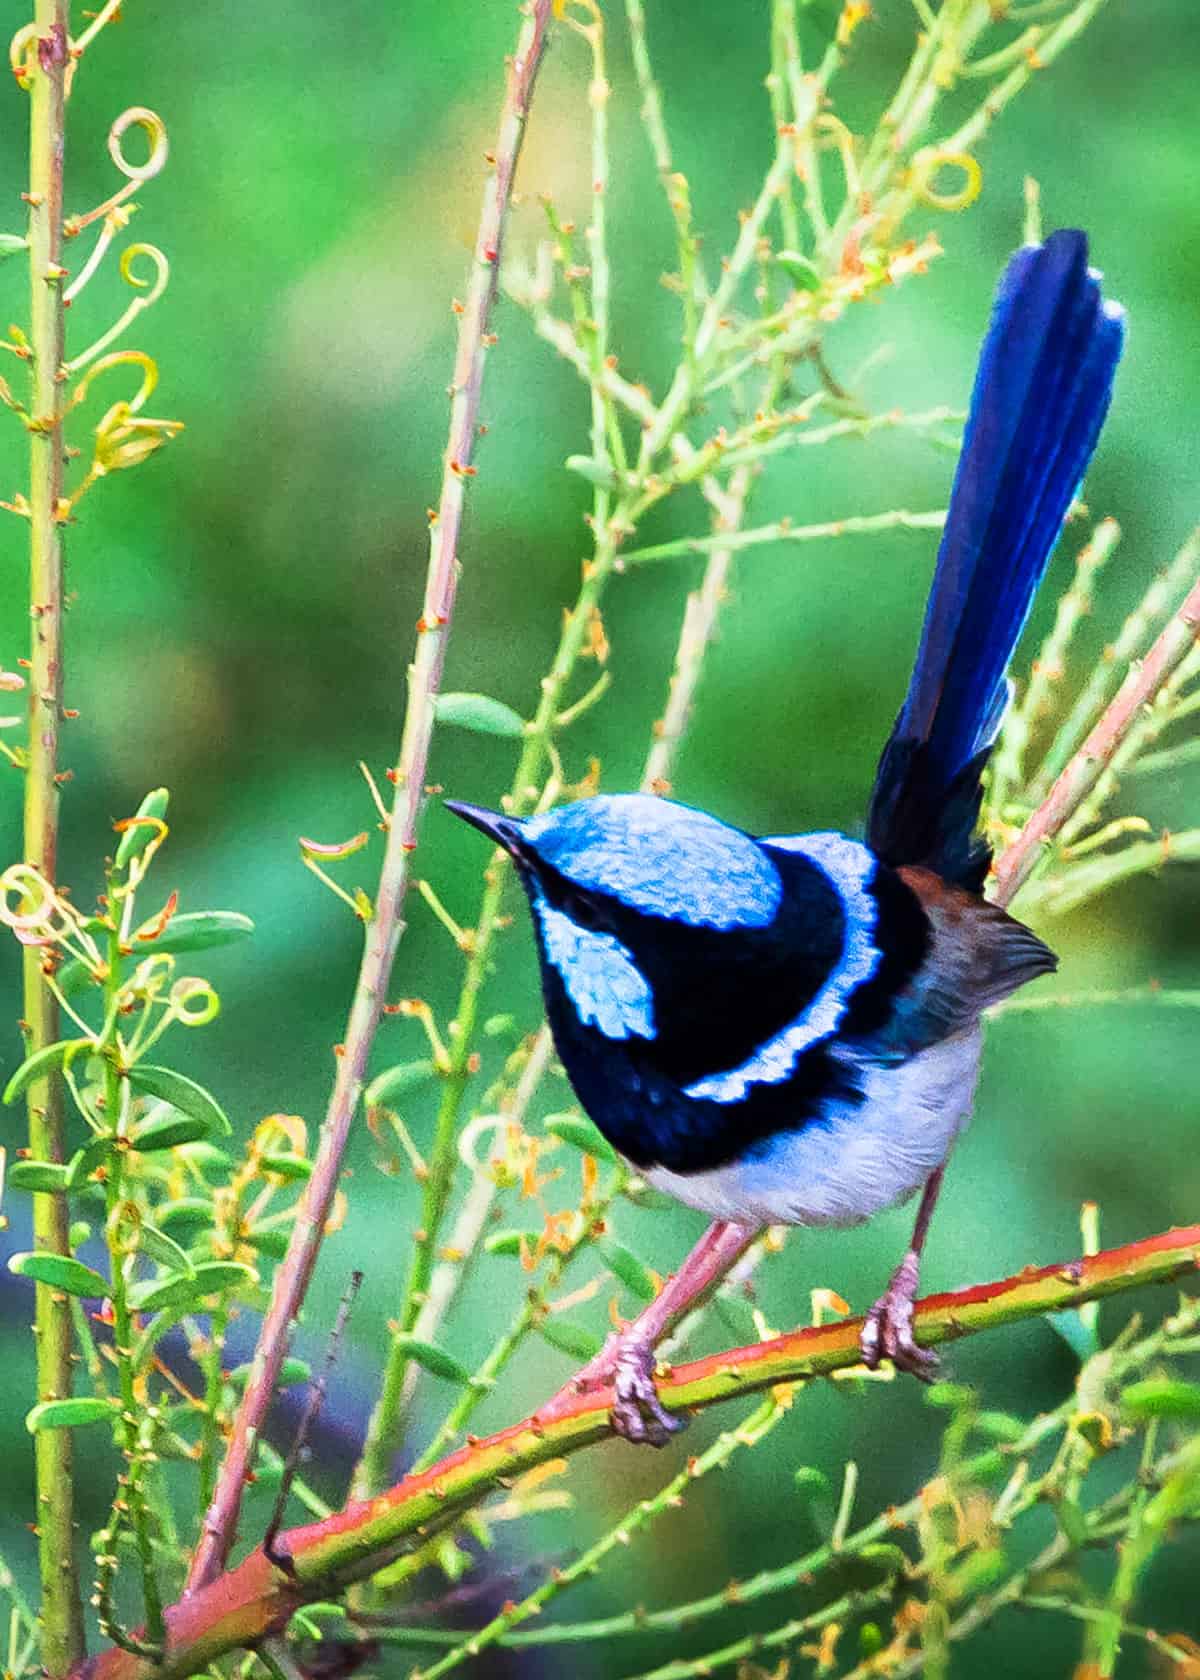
[
  {"x": 661, "y": 858},
  {"x": 850, "y": 866},
  {"x": 601, "y": 978}
]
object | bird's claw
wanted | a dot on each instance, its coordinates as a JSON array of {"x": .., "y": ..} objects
[
  {"x": 888, "y": 1330},
  {"x": 638, "y": 1415}
]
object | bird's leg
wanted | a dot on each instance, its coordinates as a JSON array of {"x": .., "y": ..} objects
[
  {"x": 888, "y": 1331},
  {"x": 627, "y": 1358}
]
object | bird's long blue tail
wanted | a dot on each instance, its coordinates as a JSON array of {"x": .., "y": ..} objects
[{"x": 1041, "y": 393}]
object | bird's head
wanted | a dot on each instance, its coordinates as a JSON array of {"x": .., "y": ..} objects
[
  {"x": 631, "y": 854},
  {"x": 627, "y": 891}
]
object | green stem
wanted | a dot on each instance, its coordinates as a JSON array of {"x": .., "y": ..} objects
[
  {"x": 135, "y": 1420},
  {"x": 62, "y": 1617}
]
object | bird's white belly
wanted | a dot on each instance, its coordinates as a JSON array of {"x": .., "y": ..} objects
[{"x": 855, "y": 1160}]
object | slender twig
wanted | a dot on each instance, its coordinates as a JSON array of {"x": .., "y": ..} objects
[
  {"x": 312, "y": 1408},
  {"x": 784, "y": 531},
  {"x": 257, "y": 1598},
  {"x": 62, "y": 1619},
  {"x": 386, "y": 925},
  {"x": 1084, "y": 770}
]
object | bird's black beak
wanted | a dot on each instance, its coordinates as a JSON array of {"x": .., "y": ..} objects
[{"x": 505, "y": 831}]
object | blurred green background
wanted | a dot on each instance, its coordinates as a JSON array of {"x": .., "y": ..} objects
[{"x": 244, "y": 607}]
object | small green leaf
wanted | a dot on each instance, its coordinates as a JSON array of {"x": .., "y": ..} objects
[
  {"x": 881, "y": 1554},
  {"x": 978, "y": 1571},
  {"x": 272, "y": 1242},
  {"x": 499, "y": 1026},
  {"x": 211, "y": 1161},
  {"x": 60, "y": 1271},
  {"x": 870, "y": 1639},
  {"x": 138, "y": 835},
  {"x": 187, "y": 1211},
  {"x": 295, "y": 1168},
  {"x": 194, "y": 930},
  {"x": 569, "y": 1337},
  {"x": 990, "y": 1466},
  {"x": 69, "y": 1414},
  {"x": 1162, "y": 1397},
  {"x": 85, "y": 1161},
  {"x": 393, "y": 1082},
  {"x": 214, "y": 1277},
  {"x": 11, "y": 243},
  {"x": 624, "y": 1264},
  {"x": 1000, "y": 1426},
  {"x": 1071, "y": 1520},
  {"x": 596, "y": 472},
  {"x": 581, "y": 1134},
  {"x": 291, "y": 1372},
  {"x": 44, "y": 1061},
  {"x": 38, "y": 1175},
  {"x": 480, "y": 713},
  {"x": 813, "y": 1485},
  {"x": 182, "y": 1093},
  {"x": 804, "y": 275},
  {"x": 509, "y": 1242},
  {"x": 433, "y": 1359},
  {"x": 954, "y": 1396},
  {"x": 166, "y": 1128},
  {"x": 164, "y": 1249}
]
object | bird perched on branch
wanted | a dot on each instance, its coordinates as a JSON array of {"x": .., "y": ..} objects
[{"x": 788, "y": 1029}]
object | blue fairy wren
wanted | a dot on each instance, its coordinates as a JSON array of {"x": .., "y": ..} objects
[{"x": 787, "y": 1029}]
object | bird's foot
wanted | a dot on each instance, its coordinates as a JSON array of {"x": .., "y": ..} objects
[
  {"x": 638, "y": 1415},
  {"x": 888, "y": 1331}
]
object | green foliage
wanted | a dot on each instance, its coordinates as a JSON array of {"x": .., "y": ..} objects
[{"x": 873, "y": 129}]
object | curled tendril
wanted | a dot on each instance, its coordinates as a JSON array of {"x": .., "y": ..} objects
[
  {"x": 22, "y": 55},
  {"x": 193, "y": 1002},
  {"x": 40, "y": 916},
  {"x": 926, "y": 165},
  {"x": 36, "y": 896},
  {"x": 152, "y": 125},
  {"x": 150, "y": 976},
  {"x": 153, "y": 286},
  {"x": 279, "y": 1133},
  {"x": 507, "y": 1133},
  {"x": 119, "y": 358}
]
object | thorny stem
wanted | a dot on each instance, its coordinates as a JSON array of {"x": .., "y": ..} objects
[
  {"x": 134, "y": 1419},
  {"x": 607, "y": 524},
  {"x": 258, "y": 1597},
  {"x": 386, "y": 925},
  {"x": 62, "y": 1618}
]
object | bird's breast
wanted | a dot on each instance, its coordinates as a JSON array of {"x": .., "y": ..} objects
[{"x": 853, "y": 1158}]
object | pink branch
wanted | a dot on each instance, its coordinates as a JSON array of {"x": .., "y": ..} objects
[
  {"x": 1088, "y": 764},
  {"x": 386, "y": 925},
  {"x": 256, "y": 1599}
]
